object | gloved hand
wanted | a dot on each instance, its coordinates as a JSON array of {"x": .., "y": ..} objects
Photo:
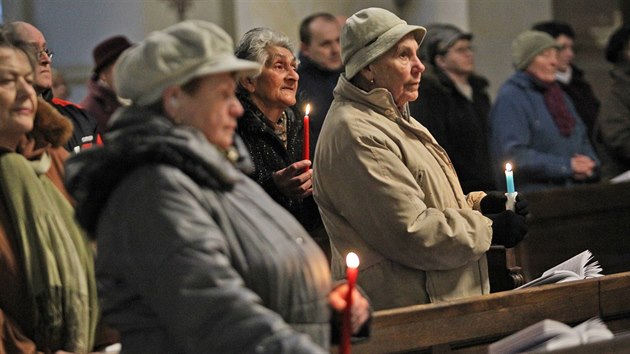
[
  {"x": 494, "y": 202},
  {"x": 508, "y": 228}
]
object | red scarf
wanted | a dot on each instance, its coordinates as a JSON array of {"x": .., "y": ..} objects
[{"x": 554, "y": 100}]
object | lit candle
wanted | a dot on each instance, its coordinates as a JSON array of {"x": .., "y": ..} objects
[
  {"x": 352, "y": 271},
  {"x": 306, "y": 149},
  {"x": 509, "y": 178}
]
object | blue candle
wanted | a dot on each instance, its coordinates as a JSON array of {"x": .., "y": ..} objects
[{"x": 509, "y": 178}]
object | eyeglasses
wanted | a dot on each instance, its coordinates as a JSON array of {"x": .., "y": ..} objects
[
  {"x": 41, "y": 51},
  {"x": 463, "y": 50},
  {"x": 46, "y": 51}
]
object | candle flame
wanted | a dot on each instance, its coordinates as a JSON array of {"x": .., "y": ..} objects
[
  {"x": 308, "y": 108},
  {"x": 508, "y": 167},
  {"x": 352, "y": 260}
]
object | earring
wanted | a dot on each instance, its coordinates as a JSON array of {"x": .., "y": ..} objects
[
  {"x": 372, "y": 81},
  {"x": 173, "y": 102}
]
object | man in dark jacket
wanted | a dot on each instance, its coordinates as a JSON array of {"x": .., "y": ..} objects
[
  {"x": 319, "y": 69},
  {"x": 569, "y": 76},
  {"x": 454, "y": 105},
  {"x": 84, "y": 134}
]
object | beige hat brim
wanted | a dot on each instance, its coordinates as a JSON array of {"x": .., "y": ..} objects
[{"x": 383, "y": 43}]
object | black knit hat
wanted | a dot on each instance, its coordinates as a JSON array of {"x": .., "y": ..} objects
[
  {"x": 616, "y": 43},
  {"x": 108, "y": 51}
]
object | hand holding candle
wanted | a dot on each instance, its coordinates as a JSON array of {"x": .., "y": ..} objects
[
  {"x": 306, "y": 148},
  {"x": 511, "y": 193},
  {"x": 352, "y": 261}
]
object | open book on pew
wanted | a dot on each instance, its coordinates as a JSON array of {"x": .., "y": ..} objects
[
  {"x": 579, "y": 267},
  {"x": 624, "y": 177},
  {"x": 549, "y": 335}
]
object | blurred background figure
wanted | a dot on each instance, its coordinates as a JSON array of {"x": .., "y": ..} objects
[
  {"x": 613, "y": 131},
  {"x": 453, "y": 103},
  {"x": 319, "y": 69},
  {"x": 569, "y": 76},
  {"x": 272, "y": 127},
  {"x": 534, "y": 124},
  {"x": 101, "y": 100},
  {"x": 60, "y": 88},
  {"x": 84, "y": 134},
  {"x": 193, "y": 255}
]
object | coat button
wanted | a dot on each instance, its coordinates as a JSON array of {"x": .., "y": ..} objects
[{"x": 299, "y": 240}]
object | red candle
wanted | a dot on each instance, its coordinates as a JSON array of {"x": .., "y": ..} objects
[
  {"x": 306, "y": 149},
  {"x": 352, "y": 271}
]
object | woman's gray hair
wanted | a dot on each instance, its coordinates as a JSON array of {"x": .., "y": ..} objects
[{"x": 255, "y": 43}]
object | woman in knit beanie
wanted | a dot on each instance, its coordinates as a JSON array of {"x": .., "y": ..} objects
[{"x": 534, "y": 124}]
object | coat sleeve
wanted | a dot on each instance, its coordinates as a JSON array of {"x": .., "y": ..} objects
[
  {"x": 390, "y": 214},
  {"x": 511, "y": 137},
  {"x": 178, "y": 257}
]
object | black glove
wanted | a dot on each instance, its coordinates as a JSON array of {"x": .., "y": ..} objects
[
  {"x": 494, "y": 203},
  {"x": 521, "y": 205},
  {"x": 508, "y": 228}
]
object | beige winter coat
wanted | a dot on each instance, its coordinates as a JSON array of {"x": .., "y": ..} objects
[{"x": 387, "y": 191}]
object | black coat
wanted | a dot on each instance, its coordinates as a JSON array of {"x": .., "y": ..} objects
[
  {"x": 84, "y": 134},
  {"x": 584, "y": 100},
  {"x": 316, "y": 87},
  {"x": 269, "y": 155},
  {"x": 459, "y": 126}
]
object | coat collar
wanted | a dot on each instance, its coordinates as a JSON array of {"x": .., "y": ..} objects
[
  {"x": 382, "y": 103},
  {"x": 380, "y": 100}
]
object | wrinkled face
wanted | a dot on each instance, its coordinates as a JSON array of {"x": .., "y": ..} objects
[
  {"x": 399, "y": 71},
  {"x": 212, "y": 108},
  {"x": 31, "y": 35},
  {"x": 18, "y": 101},
  {"x": 459, "y": 58},
  {"x": 565, "y": 53},
  {"x": 324, "y": 48},
  {"x": 277, "y": 83},
  {"x": 544, "y": 65}
]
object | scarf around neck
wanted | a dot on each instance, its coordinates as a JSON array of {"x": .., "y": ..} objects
[
  {"x": 57, "y": 259},
  {"x": 557, "y": 106}
]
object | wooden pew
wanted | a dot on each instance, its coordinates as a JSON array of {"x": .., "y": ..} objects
[
  {"x": 470, "y": 325},
  {"x": 563, "y": 223}
]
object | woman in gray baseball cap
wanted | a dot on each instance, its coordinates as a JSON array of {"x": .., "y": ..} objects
[{"x": 193, "y": 256}]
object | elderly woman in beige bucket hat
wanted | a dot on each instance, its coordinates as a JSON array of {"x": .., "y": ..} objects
[
  {"x": 385, "y": 188},
  {"x": 193, "y": 256}
]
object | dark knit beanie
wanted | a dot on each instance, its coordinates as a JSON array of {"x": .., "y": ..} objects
[{"x": 108, "y": 51}]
